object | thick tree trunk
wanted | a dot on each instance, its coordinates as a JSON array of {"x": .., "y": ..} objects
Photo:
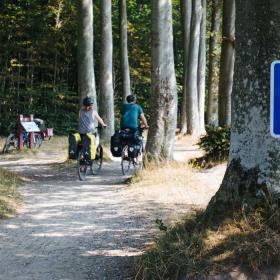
[
  {"x": 124, "y": 51},
  {"x": 186, "y": 13},
  {"x": 106, "y": 71},
  {"x": 254, "y": 163},
  {"x": 213, "y": 77},
  {"x": 192, "y": 89},
  {"x": 163, "y": 118},
  {"x": 201, "y": 75},
  {"x": 86, "y": 78},
  {"x": 227, "y": 63}
]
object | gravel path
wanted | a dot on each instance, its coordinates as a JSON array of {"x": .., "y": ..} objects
[{"x": 72, "y": 230}]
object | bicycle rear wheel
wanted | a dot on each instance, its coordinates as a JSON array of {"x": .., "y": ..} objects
[
  {"x": 139, "y": 161},
  {"x": 82, "y": 167},
  {"x": 98, "y": 161},
  {"x": 126, "y": 162},
  {"x": 38, "y": 140}
]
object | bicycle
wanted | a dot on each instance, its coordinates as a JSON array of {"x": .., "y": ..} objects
[
  {"x": 12, "y": 141},
  {"x": 84, "y": 165},
  {"x": 129, "y": 162}
]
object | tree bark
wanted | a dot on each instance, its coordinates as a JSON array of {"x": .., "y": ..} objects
[
  {"x": 254, "y": 162},
  {"x": 227, "y": 63},
  {"x": 124, "y": 51},
  {"x": 201, "y": 75},
  {"x": 192, "y": 89},
  {"x": 213, "y": 78},
  {"x": 163, "y": 118},
  {"x": 186, "y": 14},
  {"x": 86, "y": 78},
  {"x": 106, "y": 71}
]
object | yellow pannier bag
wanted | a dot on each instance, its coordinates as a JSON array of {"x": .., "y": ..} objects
[{"x": 89, "y": 146}]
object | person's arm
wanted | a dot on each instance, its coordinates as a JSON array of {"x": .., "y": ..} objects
[
  {"x": 142, "y": 117},
  {"x": 99, "y": 119},
  {"x": 144, "y": 120}
]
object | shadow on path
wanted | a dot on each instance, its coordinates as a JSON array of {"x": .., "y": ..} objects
[{"x": 75, "y": 230}]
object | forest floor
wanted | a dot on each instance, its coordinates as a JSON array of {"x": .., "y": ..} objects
[{"x": 67, "y": 229}]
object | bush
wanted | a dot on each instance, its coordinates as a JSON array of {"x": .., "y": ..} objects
[{"x": 215, "y": 144}]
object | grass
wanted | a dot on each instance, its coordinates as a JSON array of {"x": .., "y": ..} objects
[
  {"x": 197, "y": 248},
  {"x": 9, "y": 195},
  {"x": 169, "y": 173},
  {"x": 206, "y": 162}
]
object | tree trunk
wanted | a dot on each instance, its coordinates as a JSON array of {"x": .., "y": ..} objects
[
  {"x": 163, "y": 118},
  {"x": 227, "y": 63},
  {"x": 192, "y": 90},
  {"x": 86, "y": 79},
  {"x": 124, "y": 51},
  {"x": 106, "y": 71},
  {"x": 254, "y": 163},
  {"x": 186, "y": 14},
  {"x": 202, "y": 69},
  {"x": 213, "y": 78}
]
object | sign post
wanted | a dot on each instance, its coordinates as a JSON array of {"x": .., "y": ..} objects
[
  {"x": 275, "y": 99},
  {"x": 27, "y": 125}
]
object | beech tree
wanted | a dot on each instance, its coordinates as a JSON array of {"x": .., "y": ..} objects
[
  {"x": 124, "y": 51},
  {"x": 106, "y": 71},
  {"x": 227, "y": 62},
  {"x": 163, "y": 117},
  {"x": 213, "y": 78},
  {"x": 186, "y": 14},
  {"x": 201, "y": 68},
  {"x": 192, "y": 79},
  {"x": 254, "y": 167},
  {"x": 86, "y": 78}
]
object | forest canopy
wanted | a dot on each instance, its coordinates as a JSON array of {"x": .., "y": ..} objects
[{"x": 38, "y": 58}]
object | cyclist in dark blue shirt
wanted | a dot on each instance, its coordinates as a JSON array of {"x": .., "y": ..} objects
[{"x": 131, "y": 113}]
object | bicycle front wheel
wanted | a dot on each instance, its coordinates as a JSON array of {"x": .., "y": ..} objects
[
  {"x": 98, "y": 161},
  {"x": 10, "y": 142},
  {"x": 82, "y": 167}
]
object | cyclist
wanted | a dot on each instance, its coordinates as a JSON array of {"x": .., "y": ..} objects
[
  {"x": 88, "y": 117},
  {"x": 131, "y": 113}
]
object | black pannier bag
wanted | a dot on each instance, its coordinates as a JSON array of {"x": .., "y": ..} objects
[
  {"x": 127, "y": 136},
  {"x": 116, "y": 145},
  {"x": 73, "y": 142},
  {"x": 134, "y": 150},
  {"x": 131, "y": 137}
]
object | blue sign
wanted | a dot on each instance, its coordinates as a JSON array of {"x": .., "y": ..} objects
[{"x": 275, "y": 99}]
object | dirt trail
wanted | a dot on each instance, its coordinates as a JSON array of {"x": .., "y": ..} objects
[{"x": 72, "y": 230}]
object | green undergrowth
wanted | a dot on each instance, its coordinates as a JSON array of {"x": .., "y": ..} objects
[
  {"x": 9, "y": 195},
  {"x": 215, "y": 145},
  {"x": 200, "y": 247}
]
